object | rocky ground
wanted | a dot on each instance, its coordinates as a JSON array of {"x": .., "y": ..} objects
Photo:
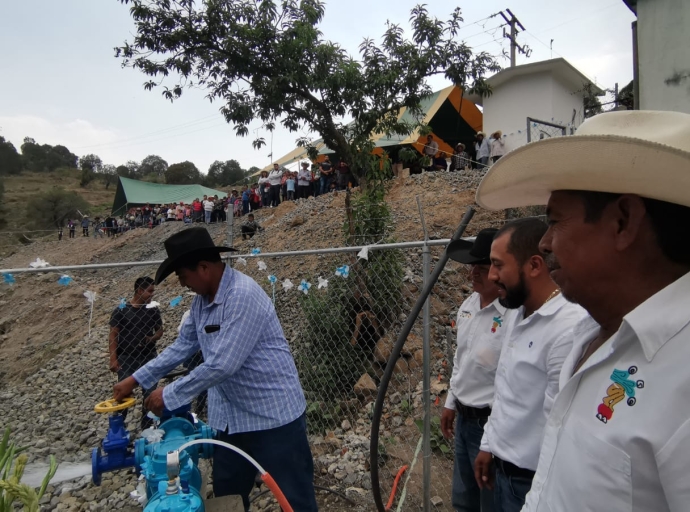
[{"x": 52, "y": 372}]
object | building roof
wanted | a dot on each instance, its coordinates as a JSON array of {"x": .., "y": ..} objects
[
  {"x": 134, "y": 192},
  {"x": 560, "y": 68},
  {"x": 632, "y": 5},
  {"x": 449, "y": 113}
]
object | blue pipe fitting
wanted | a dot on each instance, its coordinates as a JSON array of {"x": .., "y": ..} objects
[{"x": 115, "y": 447}]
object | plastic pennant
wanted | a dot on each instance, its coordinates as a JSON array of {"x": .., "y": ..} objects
[
  {"x": 287, "y": 285},
  {"x": 65, "y": 280},
  {"x": 343, "y": 271},
  {"x": 122, "y": 304},
  {"x": 241, "y": 261},
  {"x": 39, "y": 263},
  {"x": 9, "y": 279},
  {"x": 176, "y": 301},
  {"x": 261, "y": 265},
  {"x": 304, "y": 287},
  {"x": 323, "y": 283},
  {"x": 152, "y": 304},
  {"x": 90, "y": 296},
  {"x": 256, "y": 251},
  {"x": 364, "y": 253},
  {"x": 272, "y": 279}
]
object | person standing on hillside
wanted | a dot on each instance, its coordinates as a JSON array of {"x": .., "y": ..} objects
[
  {"x": 304, "y": 181},
  {"x": 498, "y": 146},
  {"x": 483, "y": 150},
  {"x": 72, "y": 228},
  {"x": 255, "y": 400},
  {"x": 275, "y": 178},
  {"x": 85, "y": 226},
  {"x": 208, "y": 209},
  {"x": 135, "y": 327},
  {"x": 482, "y": 325},
  {"x": 326, "y": 173}
]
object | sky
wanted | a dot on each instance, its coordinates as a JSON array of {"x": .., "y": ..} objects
[{"x": 61, "y": 84}]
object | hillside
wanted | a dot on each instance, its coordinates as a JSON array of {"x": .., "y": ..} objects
[
  {"x": 52, "y": 371},
  {"x": 20, "y": 193}
]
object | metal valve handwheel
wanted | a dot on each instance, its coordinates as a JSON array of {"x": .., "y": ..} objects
[{"x": 113, "y": 405}]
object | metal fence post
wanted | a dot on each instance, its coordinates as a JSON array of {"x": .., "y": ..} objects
[
  {"x": 426, "y": 261},
  {"x": 426, "y": 363},
  {"x": 231, "y": 226}
]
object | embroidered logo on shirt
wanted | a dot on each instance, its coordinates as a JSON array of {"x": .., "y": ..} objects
[
  {"x": 622, "y": 385},
  {"x": 465, "y": 314},
  {"x": 498, "y": 321}
]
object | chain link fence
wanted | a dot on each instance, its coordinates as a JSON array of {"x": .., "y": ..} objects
[
  {"x": 341, "y": 310},
  {"x": 539, "y": 130}
]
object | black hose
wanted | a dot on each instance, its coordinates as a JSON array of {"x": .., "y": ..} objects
[{"x": 395, "y": 354}]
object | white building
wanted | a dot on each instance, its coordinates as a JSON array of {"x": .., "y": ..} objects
[
  {"x": 550, "y": 91},
  {"x": 661, "y": 36}
]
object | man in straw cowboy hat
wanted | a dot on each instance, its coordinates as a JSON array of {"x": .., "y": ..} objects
[
  {"x": 255, "y": 400},
  {"x": 618, "y": 435}
]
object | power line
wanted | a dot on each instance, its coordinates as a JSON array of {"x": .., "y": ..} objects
[{"x": 186, "y": 124}]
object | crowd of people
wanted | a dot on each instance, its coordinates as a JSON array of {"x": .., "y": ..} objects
[
  {"x": 484, "y": 151},
  {"x": 567, "y": 390}
]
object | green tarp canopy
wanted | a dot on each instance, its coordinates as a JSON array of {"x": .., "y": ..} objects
[{"x": 137, "y": 193}]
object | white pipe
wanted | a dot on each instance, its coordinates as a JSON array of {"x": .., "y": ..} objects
[{"x": 226, "y": 445}]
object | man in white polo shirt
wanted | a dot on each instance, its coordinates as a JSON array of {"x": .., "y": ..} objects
[
  {"x": 531, "y": 360},
  {"x": 482, "y": 325},
  {"x": 618, "y": 194}
]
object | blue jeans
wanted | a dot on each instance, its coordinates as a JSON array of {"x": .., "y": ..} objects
[
  {"x": 283, "y": 452},
  {"x": 128, "y": 365},
  {"x": 467, "y": 497},
  {"x": 325, "y": 184},
  {"x": 207, "y": 217},
  {"x": 510, "y": 492}
]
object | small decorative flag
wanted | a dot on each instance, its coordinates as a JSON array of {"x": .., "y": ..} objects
[
  {"x": 364, "y": 253},
  {"x": 304, "y": 287},
  {"x": 122, "y": 305},
  {"x": 64, "y": 280},
  {"x": 152, "y": 304},
  {"x": 287, "y": 285},
  {"x": 39, "y": 263},
  {"x": 242, "y": 261},
  {"x": 261, "y": 265},
  {"x": 343, "y": 271},
  {"x": 256, "y": 251},
  {"x": 323, "y": 283},
  {"x": 9, "y": 279},
  {"x": 272, "y": 279},
  {"x": 176, "y": 301}
]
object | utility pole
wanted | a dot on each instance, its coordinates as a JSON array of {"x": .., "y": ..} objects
[{"x": 514, "y": 24}]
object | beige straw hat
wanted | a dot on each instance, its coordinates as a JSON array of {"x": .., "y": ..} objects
[{"x": 630, "y": 152}]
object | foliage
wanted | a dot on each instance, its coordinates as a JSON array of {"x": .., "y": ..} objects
[
  {"x": 87, "y": 176},
  {"x": 268, "y": 61},
  {"x": 91, "y": 162},
  {"x": 10, "y": 161},
  {"x": 438, "y": 442},
  {"x": 184, "y": 173},
  {"x": 46, "y": 158},
  {"x": 626, "y": 97},
  {"x": 224, "y": 173},
  {"x": 122, "y": 170},
  {"x": 54, "y": 207},
  {"x": 592, "y": 104},
  {"x": 327, "y": 362},
  {"x": 153, "y": 164},
  {"x": 12, "y": 465}
]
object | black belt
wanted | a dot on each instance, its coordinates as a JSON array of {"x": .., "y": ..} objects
[
  {"x": 510, "y": 469},
  {"x": 472, "y": 413}
]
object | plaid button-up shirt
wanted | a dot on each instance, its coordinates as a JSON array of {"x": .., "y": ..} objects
[{"x": 248, "y": 369}]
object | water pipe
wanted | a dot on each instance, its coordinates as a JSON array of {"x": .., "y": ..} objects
[{"x": 265, "y": 477}]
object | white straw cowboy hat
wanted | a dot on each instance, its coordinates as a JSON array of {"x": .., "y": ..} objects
[{"x": 646, "y": 153}]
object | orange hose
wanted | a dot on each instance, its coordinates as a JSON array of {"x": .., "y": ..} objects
[
  {"x": 273, "y": 486},
  {"x": 389, "y": 505}
]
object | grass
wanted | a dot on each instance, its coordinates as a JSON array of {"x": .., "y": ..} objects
[{"x": 21, "y": 189}]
